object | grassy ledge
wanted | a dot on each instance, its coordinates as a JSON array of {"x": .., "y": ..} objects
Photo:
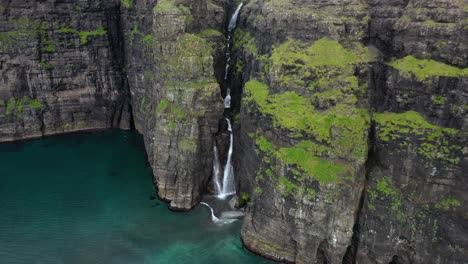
[{"x": 425, "y": 69}]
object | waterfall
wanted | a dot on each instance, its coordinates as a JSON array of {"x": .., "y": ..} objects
[
  {"x": 229, "y": 185},
  {"x": 216, "y": 220},
  {"x": 226, "y": 71},
  {"x": 233, "y": 21},
  {"x": 216, "y": 171},
  {"x": 213, "y": 216}
]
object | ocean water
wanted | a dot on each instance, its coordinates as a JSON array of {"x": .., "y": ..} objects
[{"x": 85, "y": 198}]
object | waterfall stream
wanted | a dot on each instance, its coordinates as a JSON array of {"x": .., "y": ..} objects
[
  {"x": 233, "y": 21},
  {"x": 216, "y": 171},
  {"x": 229, "y": 219},
  {"x": 229, "y": 186},
  {"x": 226, "y": 186}
]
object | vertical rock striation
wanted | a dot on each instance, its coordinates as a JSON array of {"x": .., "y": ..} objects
[
  {"x": 305, "y": 120},
  {"x": 60, "y": 69},
  {"x": 172, "y": 48},
  {"x": 415, "y": 204},
  {"x": 315, "y": 101}
]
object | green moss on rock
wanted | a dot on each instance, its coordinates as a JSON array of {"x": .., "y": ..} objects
[
  {"x": 426, "y": 69},
  {"x": 343, "y": 127},
  {"x": 188, "y": 145},
  {"x": 244, "y": 40},
  {"x": 84, "y": 35},
  {"x": 447, "y": 204},
  {"x": 433, "y": 142}
]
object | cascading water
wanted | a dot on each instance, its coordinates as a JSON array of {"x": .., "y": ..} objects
[
  {"x": 232, "y": 25},
  {"x": 229, "y": 218},
  {"x": 233, "y": 21},
  {"x": 216, "y": 171},
  {"x": 229, "y": 186},
  {"x": 226, "y": 186}
]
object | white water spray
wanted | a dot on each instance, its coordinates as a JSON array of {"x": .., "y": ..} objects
[
  {"x": 229, "y": 187},
  {"x": 216, "y": 170},
  {"x": 233, "y": 21},
  {"x": 217, "y": 220}
]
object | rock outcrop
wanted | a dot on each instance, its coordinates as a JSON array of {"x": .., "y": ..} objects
[
  {"x": 353, "y": 114},
  {"x": 353, "y": 130},
  {"x": 76, "y": 65},
  {"x": 172, "y": 48},
  {"x": 60, "y": 69}
]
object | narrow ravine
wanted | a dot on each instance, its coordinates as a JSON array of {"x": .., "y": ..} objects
[{"x": 224, "y": 183}]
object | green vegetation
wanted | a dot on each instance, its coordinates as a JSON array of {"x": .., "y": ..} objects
[
  {"x": 46, "y": 65},
  {"x": 447, "y": 204},
  {"x": 193, "y": 55},
  {"x": 242, "y": 200},
  {"x": 11, "y": 106},
  {"x": 173, "y": 113},
  {"x": 323, "y": 52},
  {"x": 35, "y": 104},
  {"x": 323, "y": 66},
  {"x": 16, "y": 106},
  {"x": 434, "y": 141},
  {"x": 188, "y": 145},
  {"x": 166, "y": 6},
  {"x": 303, "y": 156},
  {"x": 384, "y": 190},
  {"x": 84, "y": 35},
  {"x": 24, "y": 35},
  {"x": 320, "y": 110},
  {"x": 148, "y": 40},
  {"x": 127, "y": 3},
  {"x": 210, "y": 33},
  {"x": 439, "y": 100},
  {"x": 258, "y": 191},
  {"x": 426, "y": 69},
  {"x": 162, "y": 106},
  {"x": 67, "y": 31},
  {"x": 244, "y": 40},
  {"x": 296, "y": 113}
]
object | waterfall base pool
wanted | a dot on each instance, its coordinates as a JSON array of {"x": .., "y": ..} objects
[{"x": 85, "y": 198}]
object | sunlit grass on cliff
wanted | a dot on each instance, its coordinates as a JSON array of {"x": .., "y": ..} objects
[{"x": 425, "y": 69}]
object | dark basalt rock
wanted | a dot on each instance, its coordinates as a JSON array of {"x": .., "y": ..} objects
[{"x": 158, "y": 68}]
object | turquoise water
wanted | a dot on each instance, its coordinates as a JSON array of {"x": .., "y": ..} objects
[{"x": 84, "y": 198}]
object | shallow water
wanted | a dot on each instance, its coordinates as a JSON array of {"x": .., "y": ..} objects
[{"x": 84, "y": 198}]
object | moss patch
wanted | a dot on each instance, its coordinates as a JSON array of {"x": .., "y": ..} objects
[
  {"x": 127, "y": 3},
  {"x": 16, "y": 106},
  {"x": 426, "y": 69},
  {"x": 433, "y": 142},
  {"x": 385, "y": 191},
  {"x": 304, "y": 157},
  {"x": 343, "y": 128},
  {"x": 84, "y": 35},
  {"x": 244, "y": 40},
  {"x": 188, "y": 145},
  {"x": 447, "y": 204}
]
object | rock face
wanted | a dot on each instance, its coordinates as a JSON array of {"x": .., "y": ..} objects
[
  {"x": 75, "y": 65},
  {"x": 353, "y": 114},
  {"x": 60, "y": 70},
  {"x": 354, "y": 154},
  {"x": 415, "y": 204},
  {"x": 172, "y": 50}
]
